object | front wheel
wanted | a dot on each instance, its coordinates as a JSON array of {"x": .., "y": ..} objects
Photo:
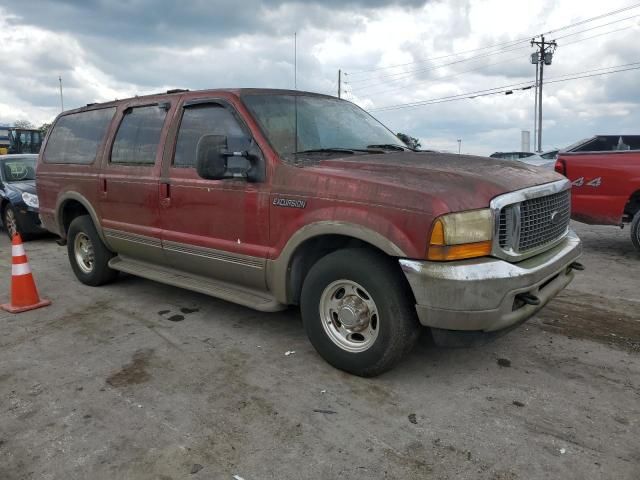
[
  {"x": 10, "y": 221},
  {"x": 635, "y": 231},
  {"x": 89, "y": 257},
  {"x": 358, "y": 312}
]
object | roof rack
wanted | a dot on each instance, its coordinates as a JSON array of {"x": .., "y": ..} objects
[{"x": 178, "y": 90}]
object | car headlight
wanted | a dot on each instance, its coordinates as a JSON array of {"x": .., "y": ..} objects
[
  {"x": 456, "y": 236},
  {"x": 30, "y": 199}
]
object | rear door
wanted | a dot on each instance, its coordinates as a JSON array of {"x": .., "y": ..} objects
[
  {"x": 128, "y": 184},
  {"x": 214, "y": 228}
]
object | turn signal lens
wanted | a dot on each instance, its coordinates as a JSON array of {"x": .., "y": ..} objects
[
  {"x": 437, "y": 235},
  {"x": 459, "y": 252},
  {"x": 461, "y": 235}
]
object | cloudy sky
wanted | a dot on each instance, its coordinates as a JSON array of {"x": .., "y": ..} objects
[{"x": 393, "y": 53}]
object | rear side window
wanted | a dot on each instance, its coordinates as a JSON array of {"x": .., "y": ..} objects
[
  {"x": 137, "y": 139},
  {"x": 208, "y": 119},
  {"x": 76, "y": 138}
]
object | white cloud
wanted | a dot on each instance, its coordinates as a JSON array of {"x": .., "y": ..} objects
[{"x": 102, "y": 54}]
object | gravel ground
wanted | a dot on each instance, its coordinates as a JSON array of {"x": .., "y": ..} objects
[{"x": 139, "y": 380}]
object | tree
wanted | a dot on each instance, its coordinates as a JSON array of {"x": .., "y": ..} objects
[
  {"x": 44, "y": 128},
  {"x": 23, "y": 124},
  {"x": 410, "y": 141}
]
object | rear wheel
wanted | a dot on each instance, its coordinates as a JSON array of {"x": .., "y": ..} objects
[
  {"x": 635, "y": 231},
  {"x": 10, "y": 221},
  {"x": 357, "y": 311},
  {"x": 89, "y": 257}
]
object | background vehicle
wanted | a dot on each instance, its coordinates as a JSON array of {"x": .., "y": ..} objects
[
  {"x": 4, "y": 139},
  {"x": 546, "y": 159},
  {"x": 18, "y": 199},
  {"x": 20, "y": 140},
  {"x": 606, "y": 183},
  {"x": 270, "y": 198},
  {"x": 511, "y": 155}
]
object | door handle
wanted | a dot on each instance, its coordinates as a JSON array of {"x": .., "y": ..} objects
[
  {"x": 103, "y": 186},
  {"x": 165, "y": 192}
]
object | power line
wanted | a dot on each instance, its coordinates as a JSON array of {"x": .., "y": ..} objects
[
  {"x": 434, "y": 67},
  {"x": 595, "y": 74},
  {"x": 597, "y": 26},
  {"x": 456, "y": 54},
  {"x": 508, "y": 44},
  {"x": 582, "y": 22},
  {"x": 474, "y": 94},
  {"x": 596, "y": 36},
  {"x": 509, "y": 88},
  {"x": 438, "y": 79},
  {"x": 500, "y": 62}
]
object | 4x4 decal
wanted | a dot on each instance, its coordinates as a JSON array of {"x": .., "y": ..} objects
[{"x": 578, "y": 182}]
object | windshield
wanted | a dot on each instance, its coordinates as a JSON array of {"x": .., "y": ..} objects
[
  {"x": 322, "y": 123},
  {"x": 19, "y": 169}
]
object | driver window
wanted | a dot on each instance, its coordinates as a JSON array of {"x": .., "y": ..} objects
[{"x": 200, "y": 120}]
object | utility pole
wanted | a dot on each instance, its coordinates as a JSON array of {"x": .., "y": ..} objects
[
  {"x": 295, "y": 60},
  {"x": 61, "y": 99},
  {"x": 339, "y": 83},
  {"x": 543, "y": 57},
  {"x": 534, "y": 56}
]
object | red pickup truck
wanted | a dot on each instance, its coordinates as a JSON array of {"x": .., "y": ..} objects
[
  {"x": 271, "y": 198},
  {"x": 605, "y": 175}
]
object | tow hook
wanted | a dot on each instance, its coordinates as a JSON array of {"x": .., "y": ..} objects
[
  {"x": 576, "y": 266},
  {"x": 529, "y": 299}
]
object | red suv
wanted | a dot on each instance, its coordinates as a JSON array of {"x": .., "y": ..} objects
[{"x": 270, "y": 198}]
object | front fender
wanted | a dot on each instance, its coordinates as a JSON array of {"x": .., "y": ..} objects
[{"x": 394, "y": 242}]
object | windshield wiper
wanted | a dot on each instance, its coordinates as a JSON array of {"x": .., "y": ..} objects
[
  {"x": 328, "y": 150},
  {"x": 389, "y": 146}
]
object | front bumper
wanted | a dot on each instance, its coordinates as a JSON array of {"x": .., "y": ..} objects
[
  {"x": 28, "y": 220},
  {"x": 480, "y": 294}
]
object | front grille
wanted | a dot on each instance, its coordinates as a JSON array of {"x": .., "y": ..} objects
[
  {"x": 534, "y": 223},
  {"x": 544, "y": 219}
]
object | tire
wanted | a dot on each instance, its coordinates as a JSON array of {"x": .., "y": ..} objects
[
  {"x": 88, "y": 256},
  {"x": 384, "y": 327},
  {"x": 10, "y": 221},
  {"x": 635, "y": 231}
]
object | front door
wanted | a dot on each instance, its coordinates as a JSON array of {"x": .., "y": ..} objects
[
  {"x": 214, "y": 228},
  {"x": 129, "y": 183}
]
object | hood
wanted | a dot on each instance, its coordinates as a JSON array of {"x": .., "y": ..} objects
[
  {"x": 459, "y": 182},
  {"x": 25, "y": 186}
]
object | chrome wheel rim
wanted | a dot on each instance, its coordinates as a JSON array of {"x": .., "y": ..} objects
[
  {"x": 10, "y": 222},
  {"x": 349, "y": 316},
  {"x": 83, "y": 249}
]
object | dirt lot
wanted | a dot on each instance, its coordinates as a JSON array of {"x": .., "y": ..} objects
[{"x": 138, "y": 380}]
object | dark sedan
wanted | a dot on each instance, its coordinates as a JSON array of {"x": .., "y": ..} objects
[{"x": 19, "y": 202}]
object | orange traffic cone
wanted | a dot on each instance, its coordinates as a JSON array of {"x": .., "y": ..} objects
[{"x": 24, "y": 295}]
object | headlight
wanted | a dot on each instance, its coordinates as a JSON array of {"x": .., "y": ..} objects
[
  {"x": 456, "y": 236},
  {"x": 30, "y": 199}
]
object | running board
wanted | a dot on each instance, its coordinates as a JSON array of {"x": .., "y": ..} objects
[{"x": 255, "y": 299}]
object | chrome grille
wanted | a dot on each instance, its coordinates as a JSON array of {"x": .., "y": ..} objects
[
  {"x": 533, "y": 223},
  {"x": 543, "y": 220}
]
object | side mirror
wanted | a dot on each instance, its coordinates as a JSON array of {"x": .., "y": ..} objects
[
  {"x": 210, "y": 162},
  {"x": 214, "y": 161}
]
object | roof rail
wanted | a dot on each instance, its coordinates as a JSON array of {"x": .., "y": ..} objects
[{"x": 178, "y": 90}]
